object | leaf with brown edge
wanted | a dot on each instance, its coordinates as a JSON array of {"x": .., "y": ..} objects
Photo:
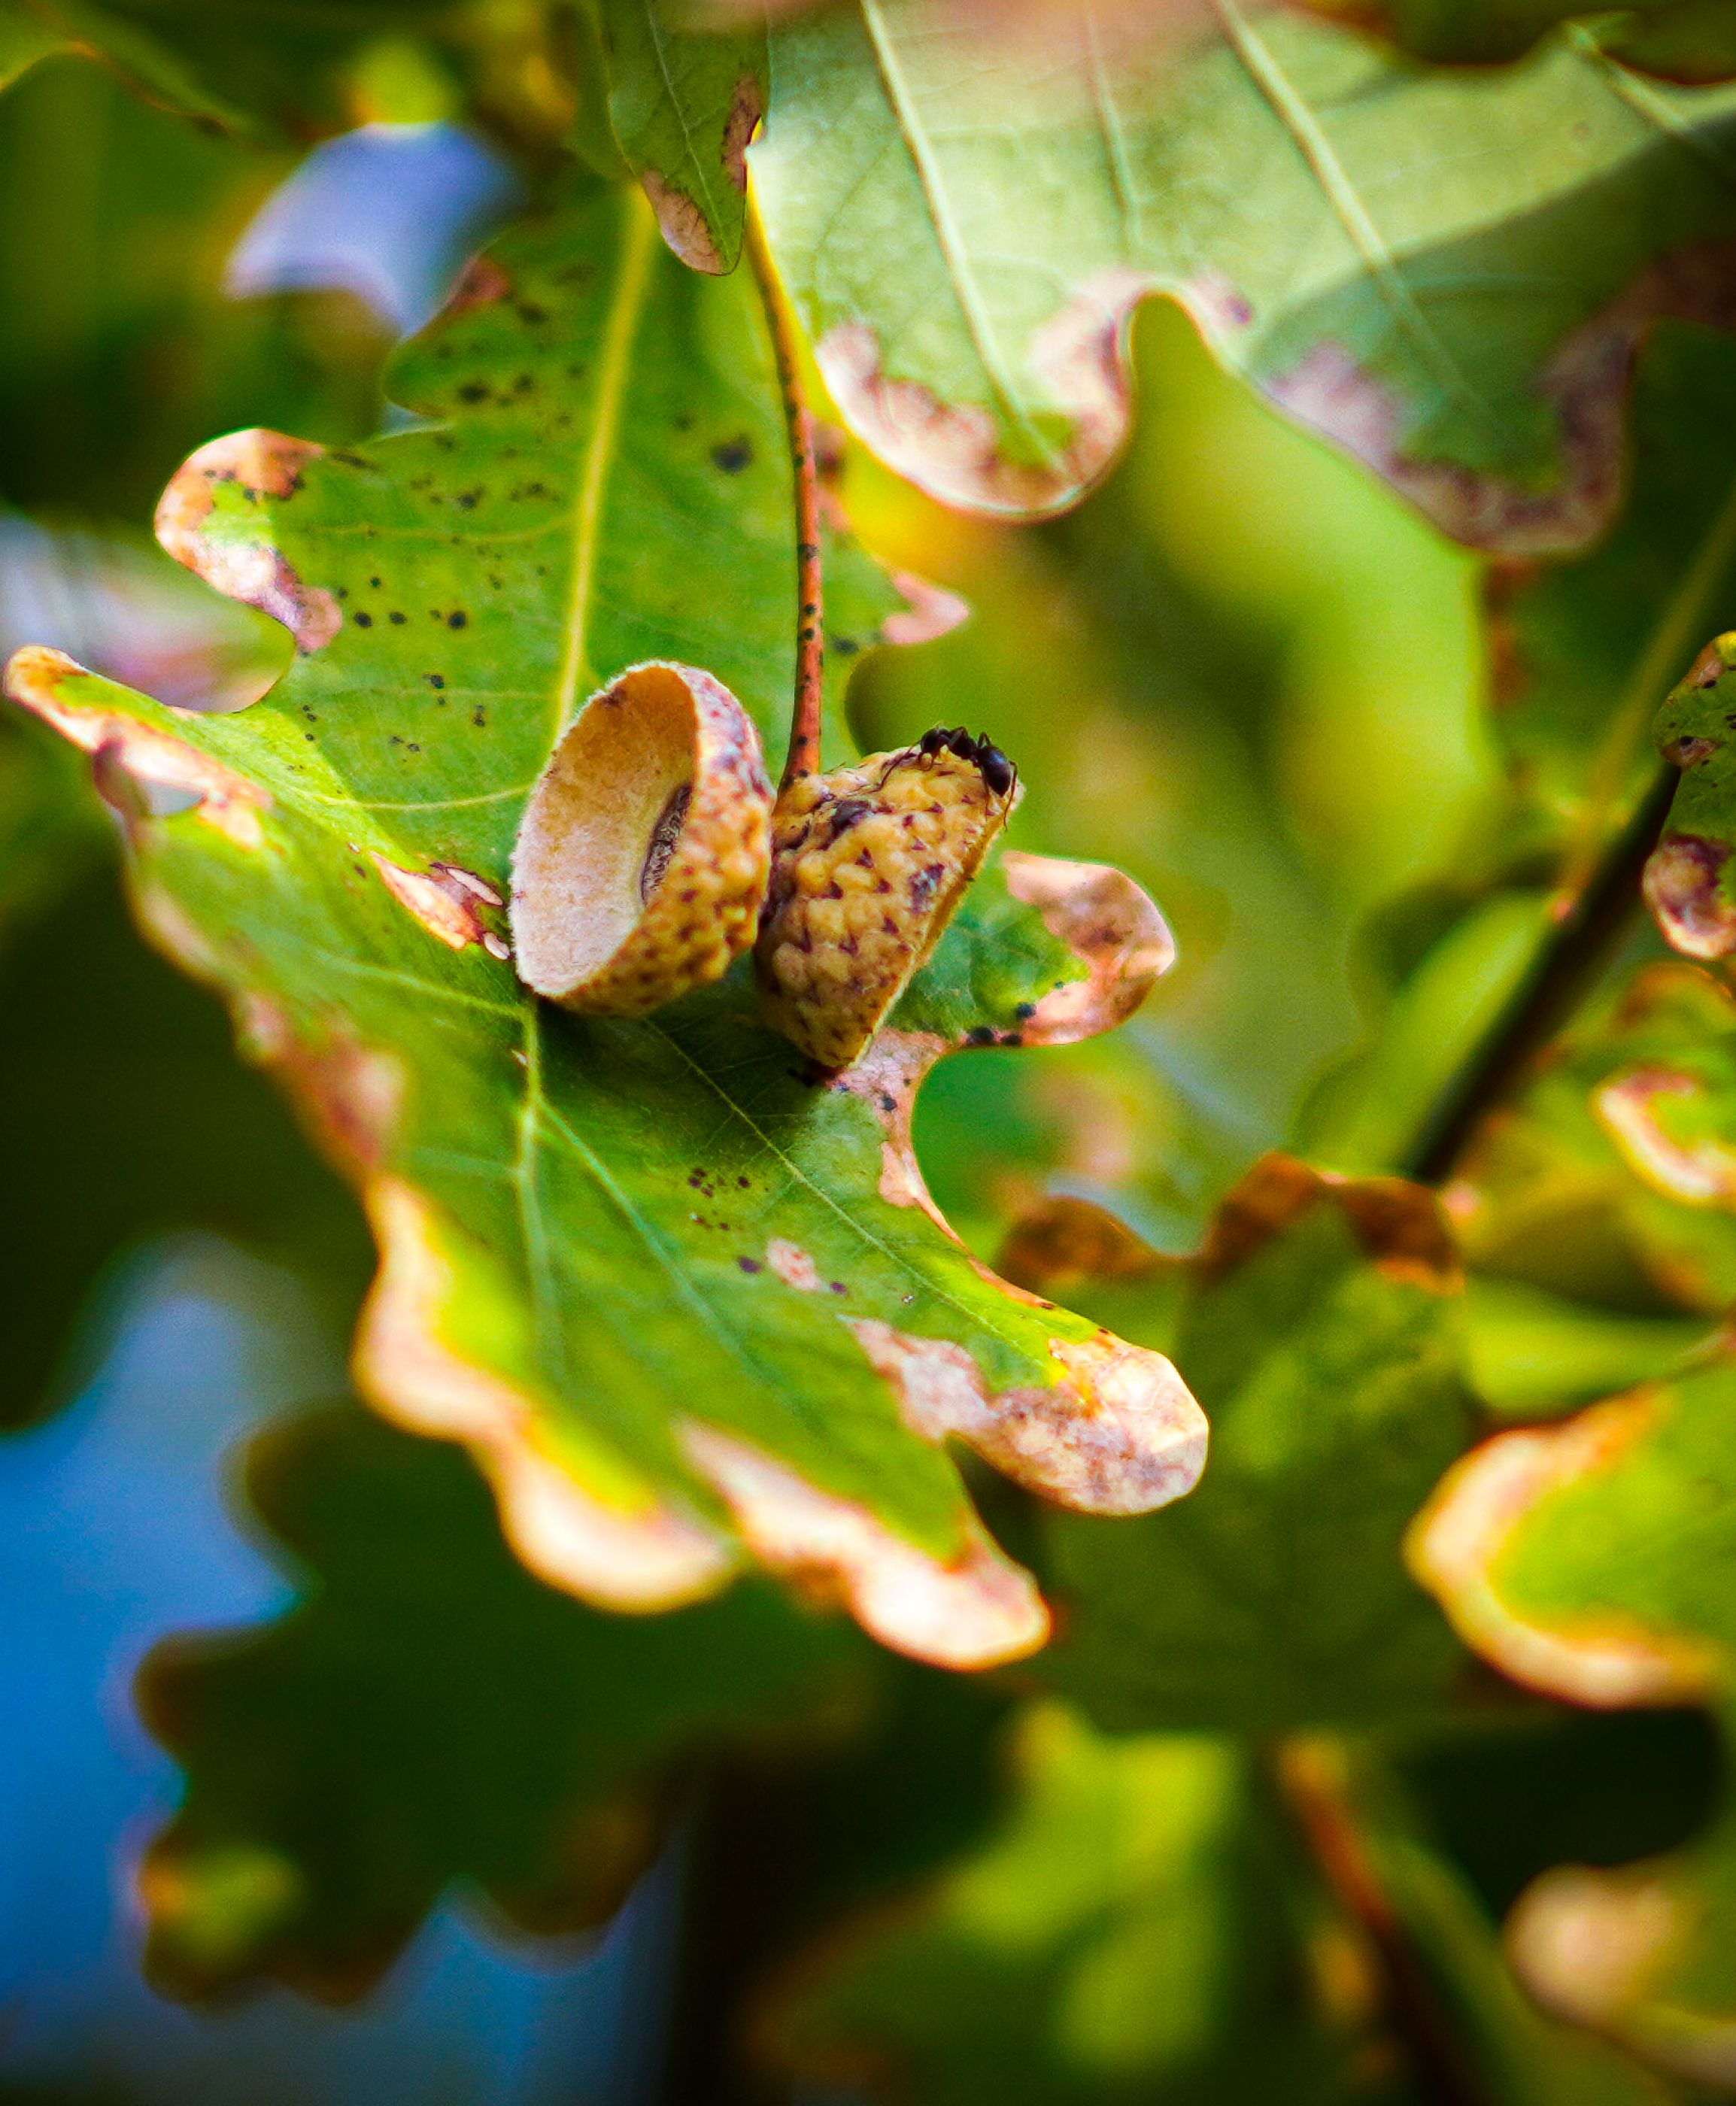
[
  {"x": 1688, "y": 879},
  {"x": 1611, "y": 1179},
  {"x": 425, "y": 1714},
  {"x": 1590, "y": 1559},
  {"x": 1319, "y": 1325},
  {"x": 683, "y": 98},
  {"x": 965, "y": 245},
  {"x": 620, "y": 1258}
]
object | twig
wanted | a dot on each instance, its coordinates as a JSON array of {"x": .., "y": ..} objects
[
  {"x": 1309, "y": 1786},
  {"x": 1588, "y": 928},
  {"x": 804, "y": 721}
]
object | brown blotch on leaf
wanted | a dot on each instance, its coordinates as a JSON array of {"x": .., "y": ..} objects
[
  {"x": 1105, "y": 918},
  {"x": 954, "y": 450},
  {"x": 623, "y": 896},
  {"x": 446, "y": 900},
  {"x": 227, "y": 802},
  {"x": 1401, "y": 1225},
  {"x": 1061, "y": 1242},
  {"x": 1683, "y": 887},
  {"x": 1585, "y": 383},
  {"x": 1117, "y": 1432},
  {"x": 250, "y": 566}
]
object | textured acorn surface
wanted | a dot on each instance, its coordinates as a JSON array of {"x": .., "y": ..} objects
[
  {"x": 643, "y": 857},
  {"x": 868, "y": 865}
]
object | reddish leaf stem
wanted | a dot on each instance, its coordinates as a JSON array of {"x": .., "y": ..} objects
[
  {"x": 780, "y": 321},
  {"x": 1308, "y": 1784}
]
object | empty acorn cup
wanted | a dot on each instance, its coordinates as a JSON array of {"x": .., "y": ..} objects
[
  {"x": 643, "y": 856},
  {"x": 867, "y": 864}
]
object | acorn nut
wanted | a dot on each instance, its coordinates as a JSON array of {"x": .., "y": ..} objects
[
  {"x": 643, "y": 853},
  {"x": 868, "y": 865}
]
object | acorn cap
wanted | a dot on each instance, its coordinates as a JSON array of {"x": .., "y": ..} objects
[
  {"x": 867, "y": 864},
  {"x": 642, "y": 855}
]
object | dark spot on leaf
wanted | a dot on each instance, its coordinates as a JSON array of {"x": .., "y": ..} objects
[
  {"x": 474, "y": 391},
  {"x": 364, "y": 620},
  {"x": 845, "y": 646},
  {"x": 396, "y": 617},
  {"x": 743, "y": 1182},
  {"x": 749, "y": 1265},
  {"x": 374, "y": 582},
  {"x": 839, "y": 1288},
  {"x": 435, "y": 679},
  {"x": 1025, "y": 1010},
  {"x": 479, "y": 717},
  {"x": 980, "y": 1034},
  {"x": 733, "y": 454},
  {"x": 457, "y": 618},
  {"x": 529, "y": 311}
]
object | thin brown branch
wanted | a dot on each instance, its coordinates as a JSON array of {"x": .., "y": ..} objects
[
  {"x": 1589, "y": 926},
  {"x": 804, "y": 721}
]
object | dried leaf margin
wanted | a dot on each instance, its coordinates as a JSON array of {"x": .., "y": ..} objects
[
  {"x": 581, "y": 1221},
  {"x": 1276, "y": 175},
  {"x": 1588, "y": 1559}
]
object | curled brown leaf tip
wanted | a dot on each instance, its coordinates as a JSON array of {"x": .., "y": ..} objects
[
  {"x": 1118, "y": 1432},
  {"x": 1061, "y": 1242},
  {"x": 1455, "y": 1546},
  {"x": 1104, "y": 918},
  {"x": 642, "y": 857},
  {"x": 1684, "y": 888},
  {"x": 227, "y": 802},
  {"x": 247, "y": 567},
  {"x": 974, "y": 1609},
  {"x": 1403, "y": 1226}
]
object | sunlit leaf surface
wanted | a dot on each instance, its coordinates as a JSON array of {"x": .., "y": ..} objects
[
  {"x": 1444, "y": 272},
  {"x": 676, "y": 1293}
]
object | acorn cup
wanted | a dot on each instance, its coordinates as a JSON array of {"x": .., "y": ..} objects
[
  {"x": 868, "y": 865},
  {"x": 643, "y": 856}
]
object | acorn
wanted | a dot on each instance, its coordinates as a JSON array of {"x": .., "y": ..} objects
[
  {"x": 643, "y": 856},
  {"x": 868, "y": 865}
]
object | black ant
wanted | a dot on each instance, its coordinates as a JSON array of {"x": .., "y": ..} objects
[{"x": 998, "y": 771}]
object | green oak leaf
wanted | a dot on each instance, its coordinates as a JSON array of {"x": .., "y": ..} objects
[
  {"x": 1584, "y": 649},
  {"x": 682, "y": 102},
  {"x": 1190, "y": 1918},
  {"x": 1134, "y": 1929},
  {"x": 965, "y": 246},
  {"x": 682, "y": 1299},
  {"x": 1611, "y": 1179},
  {"x": 1320, "y": 1329},
  {"x": 1688, "y": 879},
  {"x": 426, "y": 1713},
  {"x": 1591, "y": 1559}
]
